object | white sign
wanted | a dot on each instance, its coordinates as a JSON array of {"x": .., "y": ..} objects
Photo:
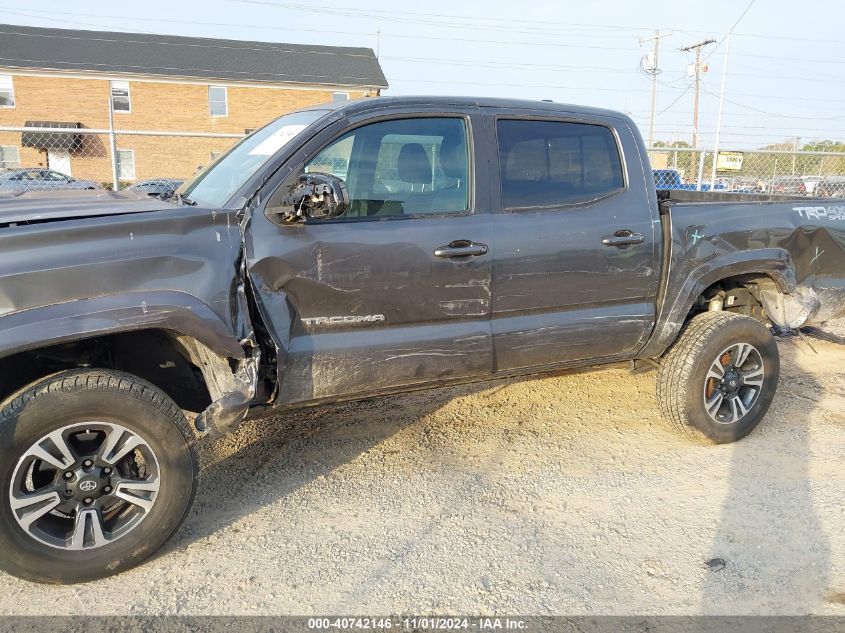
[
  {"x": 277, "y": 140},
  {"x": 729, "y": 161}
]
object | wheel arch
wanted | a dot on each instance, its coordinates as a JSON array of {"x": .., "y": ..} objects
[
  {"x": 170, "y": 339},
  {"x": 98, "y": 316},
  {"x": 773, "y": 266}
]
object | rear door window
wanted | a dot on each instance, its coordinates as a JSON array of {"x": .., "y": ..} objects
[{"x": 555, "y": 163}]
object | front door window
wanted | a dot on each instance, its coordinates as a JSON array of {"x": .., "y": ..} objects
[{"x": 401, "y": 167}]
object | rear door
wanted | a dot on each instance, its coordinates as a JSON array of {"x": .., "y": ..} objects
[
  {"x": 575, "y": 269},
  {"x": 397, "y": 291}
]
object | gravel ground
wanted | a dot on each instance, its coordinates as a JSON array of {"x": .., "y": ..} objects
[{"x": 566, "y": 494}]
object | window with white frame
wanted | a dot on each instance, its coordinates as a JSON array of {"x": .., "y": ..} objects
[
  {"x": 125, "y": 164},
  {"x": 9, "y": 157},
  {"x": 340, "y": 97},
  {"x": 7, "y": 92},
  {"x": 217, "y": 101},
  {"x": 120, "y": 96}
]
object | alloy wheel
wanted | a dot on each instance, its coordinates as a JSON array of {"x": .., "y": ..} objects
[
  {"x": 84, "y": 485},
  {"x": 733, "y": 383}
]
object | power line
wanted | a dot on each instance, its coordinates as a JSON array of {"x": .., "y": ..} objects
[
  {"x": 405, "y": 17},
  {"x": 666, "y": 126},
  {"x": 746, "y": 134},
  {"x": 510, "y": 65},
  {"x": 408, "y": 36},
  {"x": 405, "y": 37},
  {"x": 383, "y": 14},
  {"x": 502, "y": 85},
  {"x": 783, "y": 116},
  {"x": 678, "y": 98},
  {"x": 643, "y": 114},
  {"x": 15, "y": 11},
  {"x": 741, "y": 15}
]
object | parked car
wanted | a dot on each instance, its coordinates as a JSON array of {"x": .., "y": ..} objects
[
  {"x": 831, "y": 187},
  {"x": 744, "y": 185},
  {"x": 670, "y": 179},
  {"x": 518, "y": 237},
  {"x": 40, "y": 179},
  {"x": 787, "y": 185},
  {"x": 810, "y": 184},
  {"x": 156, "y": 187}
]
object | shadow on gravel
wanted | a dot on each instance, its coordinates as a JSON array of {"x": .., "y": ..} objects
[
  {"x": 271, "y": 458},
  {"x": 770, "y": 554},
  {"x": 299, "y": 447}
]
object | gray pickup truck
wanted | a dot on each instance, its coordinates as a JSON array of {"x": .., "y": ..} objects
[{"x": 341, "y": 253}]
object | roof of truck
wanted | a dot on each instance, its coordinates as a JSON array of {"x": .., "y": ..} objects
[{"x": 370, "y": 103}]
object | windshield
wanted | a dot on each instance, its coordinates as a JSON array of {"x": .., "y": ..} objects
[{"x": 213, "y": 186}]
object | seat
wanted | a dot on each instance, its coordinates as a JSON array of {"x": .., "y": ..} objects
[
  {"x": 453, "y": 162},
  {"x": 414, "y": 168}
]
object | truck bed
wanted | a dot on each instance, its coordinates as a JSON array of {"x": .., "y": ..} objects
[
  {"x": 679, "y": 195},
  {"x": 797, "y": 243}
]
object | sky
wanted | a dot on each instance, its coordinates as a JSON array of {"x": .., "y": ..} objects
[{"x": 785, "y": 74}]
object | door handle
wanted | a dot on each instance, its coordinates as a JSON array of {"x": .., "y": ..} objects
[
  {"x": 461, "y": 248},
  {"x": 623, "y": 237}
]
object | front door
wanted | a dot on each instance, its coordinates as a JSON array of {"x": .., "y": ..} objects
[
  {"x": 575, "y": 269},
  {"x": 59, "y": 160},
  {"x": 396, "y": 292}
]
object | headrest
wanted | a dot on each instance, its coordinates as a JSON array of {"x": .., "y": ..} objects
[
  {"x": 413, "y": 164},
  {"x": 453, "y": 156}
]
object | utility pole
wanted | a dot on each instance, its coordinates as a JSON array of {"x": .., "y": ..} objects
[
  {"x": 697, "y": 48},
  {"x": 653, "y": 71},
  {"x": 795, "y": 143},
  {"x": 721, "y": 111}
]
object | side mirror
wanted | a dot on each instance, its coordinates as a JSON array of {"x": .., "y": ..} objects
[{"x": 315, "y": 195}]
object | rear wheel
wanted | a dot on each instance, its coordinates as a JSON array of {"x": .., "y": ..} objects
[
  {"x": 97, "y": 472},
  {"x": 720, "y": 376}
]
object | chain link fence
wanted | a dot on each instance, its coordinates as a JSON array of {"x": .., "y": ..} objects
[
  {"x": 815, "y": 174},
  {"x": 62, "y": 156}
]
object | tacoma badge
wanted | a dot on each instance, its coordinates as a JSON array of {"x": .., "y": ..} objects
[{"x": 338, "y": 320}]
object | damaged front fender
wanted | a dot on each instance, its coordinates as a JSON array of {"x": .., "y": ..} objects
[{"x": 231, "y": 384}]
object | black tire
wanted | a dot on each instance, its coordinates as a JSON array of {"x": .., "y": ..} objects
[
  {"x": 683, "y": 383},
  {"x": 118, "y": 400}
]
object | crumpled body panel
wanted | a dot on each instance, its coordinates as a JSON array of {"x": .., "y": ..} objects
[
  {"x": 79, "y": 266},
  {"x": 799, "y": 243}
]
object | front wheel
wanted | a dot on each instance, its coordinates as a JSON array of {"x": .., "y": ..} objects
[
  {"x": 97, "y": 472},
  {"x": 719, "y": 377}
]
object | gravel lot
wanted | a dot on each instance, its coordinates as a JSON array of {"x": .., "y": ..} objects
[{"x": 566, "y": 494}]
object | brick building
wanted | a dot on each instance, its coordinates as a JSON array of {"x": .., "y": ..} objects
[{"x": 210, "y": 90}]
